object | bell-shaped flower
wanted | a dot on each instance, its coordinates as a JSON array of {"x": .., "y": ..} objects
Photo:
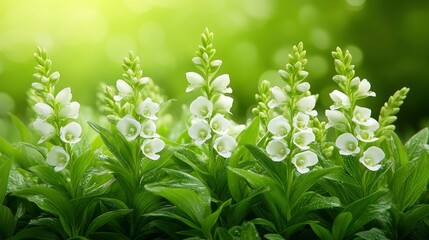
[
  {"x": 307, "y": 104},
  {"x": 236, "y": 129},
  {"x": 43, "y": 110},
  {"x": 223, "y": 104},
  {"x": 372, "y": 157},
  {"x": 201, "y": 107},
  {"x": 196, "y": 81},
  {"x": 224, "y": 145},
  {"x": 220, "y": 84},
  {"x": 303, "y": 138},
  {"x": 148, "y": 109},
  {"x": 303, "y": 87},
  {"x": 277, "y": 150},
  {"x": 63, "y": 97},
  {"x": 151, "y": 148},
  {"x": 220, "y": 124},
  {"x": 279, "y": 97},
  {"x": 58, "y": 158},
  {"x": 340, "y": 99},
  {"x": 363, "y": 89},
  {"x": 129, "y": 127},
  {"x": 45, "y": 130},
  {"x": 279, "y": 127},
  {"x": 336, "y": 119},
  {"x": 348, "y": 144},
  {"x": 362, "y": 116},
  {"x": 124, "y": 90},
  {"x": 366, "y": 134},
  {"x": 303, "y": 160},
  {"x": 199, "y": 131},
  {"x": 71, "y": 133},
  {"x": 300, "y": 121},
  {"x": 70, "y": 110},
  {"x": 148, "y": 129}
]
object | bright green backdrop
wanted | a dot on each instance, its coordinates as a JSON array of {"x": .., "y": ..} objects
[{"x": 88, "y": 38}]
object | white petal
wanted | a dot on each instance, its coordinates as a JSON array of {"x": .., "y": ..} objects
[
  {"x": 306, "y": 105},
  {"x": 129, "y": 127},
  {"x": 219, "y": 124},
  {"x": 340, "y": 99},
  {"x": 71, "y": 133},
  {"x": 236, "y": 129},
  {"x": 64, "y": 96},
  {"x": 221, "y": 83},
  {"x": 336, "y": 119},
  {"x": 195, "y": 78},
  {"x": 279, "y": 97},
  {"x": 303, "y": 87},
  {"x": 304, "y": 160},
  {"x": 303, "y": 138},
  {"x": 201, "y": 107},
  {"x": 58, "y": 158},
  {"x": 361, "y": 115},
  {"x": 45, "y": 129},
  {"x": 278, "y": 150},
  {"x": 347, "y": 144},
  {"x": 148, "y": 129},
  {"x": 151, "y": 147},
  {"x": 224, "y": 145},
  {"x": 199, "y": 131},
  {"x": 300, "y": 121},
  {"x": 43, "y": 110},
  {"x": 372, "y": 157},
  {"x": 223, "y": 104},
  {"x": 279, "y": 127},
  {"x": 70, "y": 111},
  {"x": 148, "y": 109},
  {"x": 124, "y": 88}
]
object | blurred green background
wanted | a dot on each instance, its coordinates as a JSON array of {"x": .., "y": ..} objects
[{"x": 86, "y": 39}]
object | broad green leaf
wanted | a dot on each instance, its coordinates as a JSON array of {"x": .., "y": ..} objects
[
  {"x": 222, "y": 233},
  {"x": 415, "y": 145},
  {"x": 398, "y": 151},
  {"x": 256, "y": 180},
  {"x": 49, "y": 176},
  {"x": 238, "y": 211},
  {"x": 272, "y": 236},
  {"x": 175, "y": 213},
  {"x": 352, "y": 166},
  {"x": 250, "y": 134},
  {"x": 210, "y": 221},
  {"x": 340, "y": 225},
  {"x": 35, "y": 233},
  {"x": 249, "y": 232},
  {"x": 264, "y": 223},
  {"x": 373, "y": 233},
  {"x": 104, "y": 218},
  {"x": 7, "y": 222},
  {"x": 109, "y": 236},
  {"x": 146, "y": 202},
  {"x": 78, "y": 168},
  {"x": 4, "y": 177},
  {"x": 192, "y": 160},
  {"x": 321, "y": 232},
  {"x": 236, "y": 184},
  {"x": 6, "y": 148},
  {"x": 311, "y": 201},
  {"x": 24, "y": 132},
  {"x": 411, "y": 219}
]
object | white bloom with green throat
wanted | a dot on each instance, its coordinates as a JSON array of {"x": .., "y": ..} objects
[
  {"x": 307, "y": 104},
  {"x": 199, "y": 131},
  {"x": 70, "y": 110},
  {"x": 348, "y": 144},
  {"x": 196, "y": 81},
  {"x": 223, "y": 104},
  {"x": 303, "y": 160},
  {"x": 363, "y": 88},
  {"x": 362, "y": 116},
  {"x": 372, "y": 157},
  {"x": 224, "y": 145},
  {"x": 201, "y": 107},
  {"x": 45, "y": 129},
  {"x": 336, "y": 119},
  {"x": 124, "y": 89},
  {"x": 220, "y": 124},
  {"x": 366, "y": 134},
  {"x": 43, "y": 110},
  {"x": 279, "y": 127},
  {"x": 71, "y": 133},
  {"x": 303, "y": 138},
  {"x": 148, "y": 129},
  {"x": 151, "y": 148},
  {"x": 129, "y": 127},
  {"x": 277, "y": 150},
  {"x": 300, "y": 121},
  {"x": 58, "y": 158},
  {"x": 148, "y": 109},
  {"x": 340, "y": 99},
  {"x": 220, "y": 84},
  {"x": 279, "y": 97}
]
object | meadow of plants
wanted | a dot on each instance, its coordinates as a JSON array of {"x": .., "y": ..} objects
[{"x": 134, "y": 170}]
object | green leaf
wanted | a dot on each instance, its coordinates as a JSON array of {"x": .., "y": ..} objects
[
  {"x": 276, "y": 169},
  {"x": 265, "y": 223},
  {"x": 175, "y": 213},
  {"x": 7, "y": 222},
  {"x": 415, "y": 146},
  {"x": 6, "y": 148},
  {"x": 104, "y": 218},
  {"x": 250, "y": 134},
  {"x": 311, "y": 201},
  {"x": 35, "y": 233},
  {"x": 238, "y": 211},
  {"x": 24, "y": 132},
  {"x": 272, "y": 236},
  {"x": 340, "y": 225},
  {"x": 4, "y": 177},
  {"x": 373, "y": 233},
  {"x": 249, "y": 232},
  {"x": 256, "y": 180},
  {"x": 411, "y": 219},
  {"x": 321, "y": 232},
  {"x": 49, "y": 176},
  {"x": 192, "y": 160},
  {"x": 236, "y": 184},
  {"x": 398, "y": 151},
  {"x": 210, "y": 221}
]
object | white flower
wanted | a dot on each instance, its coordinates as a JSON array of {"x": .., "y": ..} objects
[
  {"x": 279, "y": 97},
  {"x": 224, "y": 145},
  {"x": 363, "y": 88},
  {"x": 279, "y": 127},
  {"x": 70, "y": 110},
  {"x": 148, "y": 129},
  {"x": 340, "y": 99},
  {"x": 223, "y": 104},
  {"x": 71, "y": 133},
  {"x": 201, "y": 107},
  {"x": 236, "y": 129},
  {"x": 347, "y": 144},
  {"x": 199, "y": 131},
  {"x": 151, "y": 147},
  {"x": 300, "y": 121},
  {"x": 303, "y": 138},
  {"x": 372, "y": 157},
  {"x": 366, "y": 134},
  {"x": 129, "y": 127},
  {"x": 124, "y": 89},
  {"x": 304, "y": 160},
  {"x": 277, "y": 149},
  {"x": 362, "y": 116},
  {"x": 45, "y": 129},
  {"x": 196, "y": 81},
  {"x": 306, "y": 105},
  {"x": 336, "y": 119},
  {"x": 63, "y": 97},
  {"x": 303, "y": 87},
  {"x": 37, "y": 86},
  {"x": 148, "y": 109},
  {"x": 58, "y": 158},
  {"x": 220, "y": 84},
  {"x": 220, "y": 124},
  {"x": 43, "y": 110}
]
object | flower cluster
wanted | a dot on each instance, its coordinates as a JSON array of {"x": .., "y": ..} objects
[
  {"x": 355, "y": 123},
  {"x": 134, "y": 112},
  {"x": 209, "y": 110},
  {"x": 290, "y": 130},
  {"x": 55, "y": 113}
]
